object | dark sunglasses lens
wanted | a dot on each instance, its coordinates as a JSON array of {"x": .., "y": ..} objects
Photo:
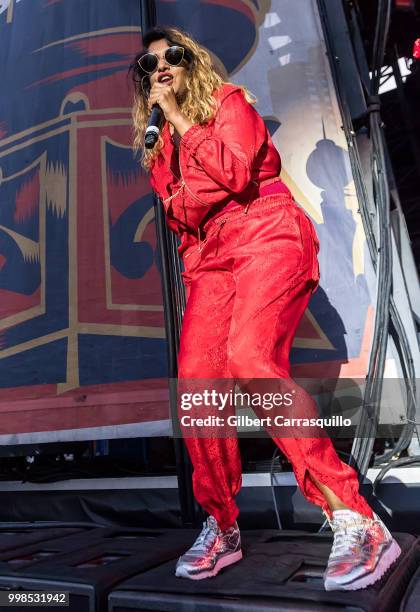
[
  {"x": 148, "y": 62},
  {"x": 145, "y": 85},
  {"x": 174, "y": 55}
]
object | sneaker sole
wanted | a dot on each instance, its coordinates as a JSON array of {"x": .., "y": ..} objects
[
  {"x": 385, "y": 562},
  {"x": 223, "y": 562}
]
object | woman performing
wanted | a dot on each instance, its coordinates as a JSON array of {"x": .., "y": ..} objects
[{"x": 250, "y": 259}]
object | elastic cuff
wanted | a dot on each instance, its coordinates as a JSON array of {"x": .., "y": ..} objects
[
  {"x": 193, "y": 137},
  {"x": 228, "y": 518}
]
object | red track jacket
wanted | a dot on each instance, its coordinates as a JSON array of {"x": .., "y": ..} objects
[{"x": 222, "y": 162}]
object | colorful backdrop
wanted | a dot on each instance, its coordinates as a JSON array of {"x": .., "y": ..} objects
[{"x": 82, "y": 341}]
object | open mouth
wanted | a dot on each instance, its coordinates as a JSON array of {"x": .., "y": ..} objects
[{"x": 165, "y": 78}]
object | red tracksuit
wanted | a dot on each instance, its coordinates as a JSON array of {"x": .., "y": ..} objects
[{"x": 250, "y": 258}]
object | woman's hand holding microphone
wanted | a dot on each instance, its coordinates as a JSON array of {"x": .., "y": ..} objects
[{"x": 164, "y": 95}]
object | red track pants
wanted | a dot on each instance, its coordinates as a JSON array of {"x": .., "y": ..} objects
[{"x": 248, "y": 285}]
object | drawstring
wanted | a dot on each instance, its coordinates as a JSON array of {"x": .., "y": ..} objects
[
  {"x": 200, "y": 242},
  {"x": 174, "y": 194}
]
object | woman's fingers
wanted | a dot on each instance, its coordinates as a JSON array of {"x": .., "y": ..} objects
[
  {"x": 160, "y": 86},
  {"x": 151, "y": 101},
  {"x": 157, "y": 90},
  {"x": 163, "y": 95}
]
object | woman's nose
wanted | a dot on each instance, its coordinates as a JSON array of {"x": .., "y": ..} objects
[{"x": 162, "y": 63}]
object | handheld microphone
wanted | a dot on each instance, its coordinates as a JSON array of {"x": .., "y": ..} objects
[{"x": 153, "y": 127}]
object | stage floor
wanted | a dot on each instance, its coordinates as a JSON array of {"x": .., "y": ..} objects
[{"x": 120, "y": 570}]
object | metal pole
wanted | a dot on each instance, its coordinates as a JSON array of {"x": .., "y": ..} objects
[{"x": 174, "y": 306}]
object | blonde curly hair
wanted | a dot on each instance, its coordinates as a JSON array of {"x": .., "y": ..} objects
[{"x": 197, "y": 102}]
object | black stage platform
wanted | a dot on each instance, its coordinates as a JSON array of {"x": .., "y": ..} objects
[
  {"x": 123, "y": 570},
  {"x": 90, "y": 564},
  {"x": 411, "y": 601},
  {"x": 280, "y": 571},
  {"x": 14, "y": 538}
]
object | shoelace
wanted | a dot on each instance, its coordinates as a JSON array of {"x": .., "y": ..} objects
[
  {"x": 209, "y": 528},
  {"x": 346, "y": 537},
  {"x": 348, "y": 533}
]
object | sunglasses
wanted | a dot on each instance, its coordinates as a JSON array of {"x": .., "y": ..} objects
[{"x": 173, "y": 56}]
